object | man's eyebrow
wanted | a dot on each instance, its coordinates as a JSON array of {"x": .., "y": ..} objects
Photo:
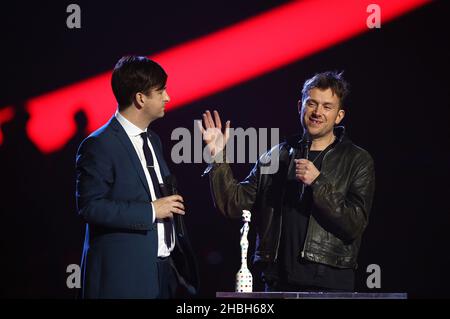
[{"x": 311, "y": 100}]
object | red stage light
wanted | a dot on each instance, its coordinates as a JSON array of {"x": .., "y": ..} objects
[
  {"x": 216, "y": 62},
  {"x": 6, "y": 115}
]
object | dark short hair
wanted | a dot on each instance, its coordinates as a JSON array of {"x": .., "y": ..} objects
[
  {"x": 133, "y": 74},
  {"x": 328, "y": 80}
]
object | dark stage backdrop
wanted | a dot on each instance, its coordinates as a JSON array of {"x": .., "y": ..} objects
[{"x": 398, "y": 111}]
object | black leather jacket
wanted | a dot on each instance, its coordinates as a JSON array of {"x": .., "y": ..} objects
[{"x": 342, "y": 199}]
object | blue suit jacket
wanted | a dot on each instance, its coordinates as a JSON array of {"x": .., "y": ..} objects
[{"x": 113, "y": 197}]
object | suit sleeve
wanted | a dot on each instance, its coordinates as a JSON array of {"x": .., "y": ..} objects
[
  {"x": 95, "y": 177},
  {"x": 346, "y": 215}
]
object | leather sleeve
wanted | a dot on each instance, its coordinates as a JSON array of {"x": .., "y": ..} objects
[{"x": 231, "y": 197}]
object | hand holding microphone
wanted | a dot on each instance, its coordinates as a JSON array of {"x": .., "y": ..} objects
[
  {"x": 170, "y": 188},
  {"x": 305, "y": 171},
  {"x": 167, "y": 206}
]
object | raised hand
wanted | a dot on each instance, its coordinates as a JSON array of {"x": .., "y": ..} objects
[{"x": 212, "y": 133}]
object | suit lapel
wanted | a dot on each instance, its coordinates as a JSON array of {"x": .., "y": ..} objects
[{"x": 125, "y": 141}]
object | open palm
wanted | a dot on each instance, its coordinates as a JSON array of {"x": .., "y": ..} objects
[{"x": 212, "y": 133}]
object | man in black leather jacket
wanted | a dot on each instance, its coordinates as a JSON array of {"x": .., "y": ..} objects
[{"x": 310, "y": 215}]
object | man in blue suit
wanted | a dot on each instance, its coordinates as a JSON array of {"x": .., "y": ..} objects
[{"x": 136, "y": 244}]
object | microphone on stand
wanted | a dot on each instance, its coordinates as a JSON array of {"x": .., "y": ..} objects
[{"x": 306, "y": 145}]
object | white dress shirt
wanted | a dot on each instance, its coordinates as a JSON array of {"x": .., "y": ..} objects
[{"x": 133, "y": 133}]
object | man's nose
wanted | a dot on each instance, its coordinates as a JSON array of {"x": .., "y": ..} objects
[
  {"x": 167, "y": 97},
  {"x": 316, "y": 110}
]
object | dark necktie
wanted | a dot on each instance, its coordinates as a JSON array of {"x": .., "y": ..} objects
[{"x": 151, "y": 169}]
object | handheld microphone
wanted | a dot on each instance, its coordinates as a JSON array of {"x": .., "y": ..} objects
[
  {"x": 170, "y": 185},
  {"x": 306, "y": 145},
  {"x": 170, "y": 188}
]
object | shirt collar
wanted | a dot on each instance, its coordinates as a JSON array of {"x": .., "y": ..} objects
[{"x": 130, "y": 128}]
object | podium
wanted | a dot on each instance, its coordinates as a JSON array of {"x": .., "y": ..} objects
[{"x": 311, "y": 295}]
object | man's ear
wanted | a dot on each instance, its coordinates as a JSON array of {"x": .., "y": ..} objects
[
  {"x": 340, "y": 116},
  {"x": 139, "y": 99},
  {"x": 299, "y": 106}
]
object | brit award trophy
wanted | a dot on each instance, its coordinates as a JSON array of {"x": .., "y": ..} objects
[{"x": 244, "y": 279}]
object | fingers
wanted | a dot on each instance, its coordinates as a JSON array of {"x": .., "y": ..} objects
[
  {"x": 302, "y": 164},
  {"x": 300, "y": 172},
  {"x": 169, "y": 205},
  {"x": 299, "y": 165},
  {"x": 211, "y": 122},
  {"x": 209, "y": 119},
  {"x": 206, "y": 121},
  {"x": 177, "y": 211},
  {"x": 217, "y": 120},
  {"x": 177, "y": 198},
  {"x": 171, "y": 198},
  {"x": 176, "y": 208},
  {"x": 176, "y": 204},
  {"x": 301, "y": 169},
  {"x": 179, "y": 205},
  {"x": 227, "y": 130}
]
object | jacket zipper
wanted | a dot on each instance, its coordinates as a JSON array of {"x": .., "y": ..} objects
[
  {"x": 281, "y": 219},
  {"x": 281, "y": 225}
]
